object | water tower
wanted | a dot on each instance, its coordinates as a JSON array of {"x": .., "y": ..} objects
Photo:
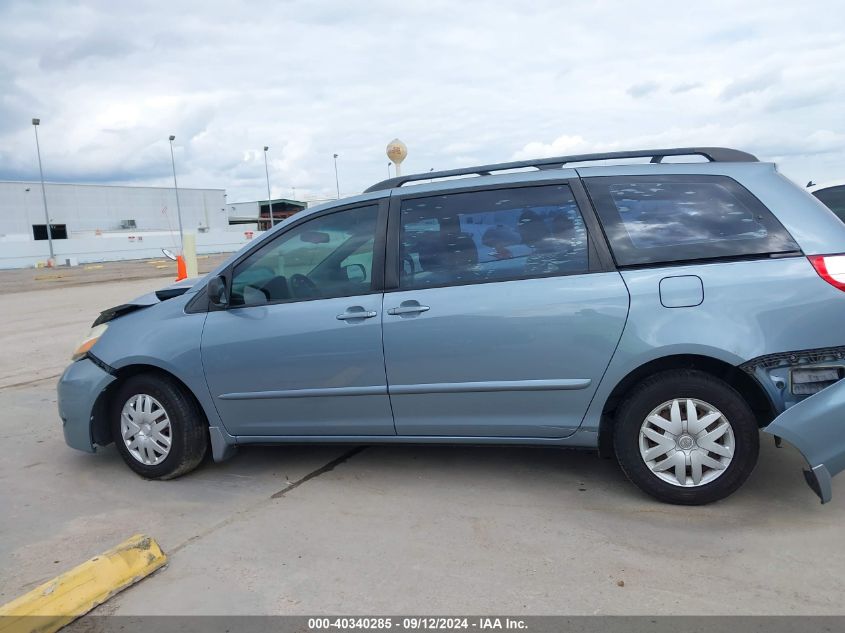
[{"x": 396, "y": 152}]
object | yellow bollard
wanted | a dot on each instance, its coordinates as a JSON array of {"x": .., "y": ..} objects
[{"x": 190, "y": 253}]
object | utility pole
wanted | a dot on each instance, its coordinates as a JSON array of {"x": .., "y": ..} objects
[
  {"x": 269, "y": 197},
  {"x": 52, "y": 261},
  {"x": 336, "y": 181},
  {"x": 176, "y": 187}
]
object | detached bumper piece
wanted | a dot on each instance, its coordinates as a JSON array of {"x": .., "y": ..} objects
[{"x": 816, "y": 427}]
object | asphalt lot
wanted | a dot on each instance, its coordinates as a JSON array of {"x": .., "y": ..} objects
[
  {"x": 27, "y": 279},
  {"x": 388, "y": 529}
]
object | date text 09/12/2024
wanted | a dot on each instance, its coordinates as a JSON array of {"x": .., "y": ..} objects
[{"x": 417, "y": 623}]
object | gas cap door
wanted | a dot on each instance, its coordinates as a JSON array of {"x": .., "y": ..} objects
[{"x": 683, "y": 291}]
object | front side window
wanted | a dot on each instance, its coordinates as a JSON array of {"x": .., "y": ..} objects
[
  {"x": 651, "y": 219},
  {"x": 493, "y": 235},
  {"x": 834, "y": 199},
  {"x": 329, "y": 256}
]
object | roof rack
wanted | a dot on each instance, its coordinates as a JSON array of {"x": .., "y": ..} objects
[{"x": 713, "y": 154}]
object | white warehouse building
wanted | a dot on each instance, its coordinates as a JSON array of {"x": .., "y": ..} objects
[{"x": 92, "y": 223}]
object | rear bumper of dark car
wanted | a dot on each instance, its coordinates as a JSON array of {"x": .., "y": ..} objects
[{"x": 79, "y": 388}]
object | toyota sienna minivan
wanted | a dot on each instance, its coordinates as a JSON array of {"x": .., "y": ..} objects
[{"x": 663, "y": 313}]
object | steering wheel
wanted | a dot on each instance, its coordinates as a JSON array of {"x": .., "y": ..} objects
[{"x": 302, "y": 287}]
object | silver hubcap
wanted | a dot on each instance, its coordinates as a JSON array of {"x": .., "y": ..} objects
[
  {"x": 145, "y": 427},
  {"x": 686, "y": 442}
]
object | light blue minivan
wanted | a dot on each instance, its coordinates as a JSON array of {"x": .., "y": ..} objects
[{"x": 662, "y": 312}]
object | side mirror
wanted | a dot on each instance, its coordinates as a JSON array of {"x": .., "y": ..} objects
[
  {"x": 217, "y": 295},
  {"x": 355, "y": 272}
]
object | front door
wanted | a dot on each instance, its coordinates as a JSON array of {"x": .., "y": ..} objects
[
  {"x": 299, "y": 350},
  {"x": 504, "y": 320}
]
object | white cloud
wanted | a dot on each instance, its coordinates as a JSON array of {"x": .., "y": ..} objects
[
  {"x": 685, "y": 87},
  {"x": 561, "y": 146},
  {"x": 112, "y": 80},
  {"x": 750, "y": 85},
  {"x": 643, "y": 89}
]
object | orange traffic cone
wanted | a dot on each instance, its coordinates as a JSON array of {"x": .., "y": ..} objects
[{"x": 181, "y": 269}]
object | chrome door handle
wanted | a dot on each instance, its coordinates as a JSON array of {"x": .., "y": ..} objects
[
  {"x": 352, "y": 313},
  {"x": 408, "y": 309}
]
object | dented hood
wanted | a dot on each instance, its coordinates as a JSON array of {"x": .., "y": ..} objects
[{"x": 146, "y": 300}]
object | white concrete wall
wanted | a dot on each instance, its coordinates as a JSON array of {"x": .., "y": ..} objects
[
  {"x": 114, "y": 247},
  {"x": 87, "y": 208},
  {"x": 243, "y": 209}
]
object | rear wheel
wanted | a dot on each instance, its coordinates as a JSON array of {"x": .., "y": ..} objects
[
  {"x": 686, "y": 437},
  {"x": 157, "y": 427}
]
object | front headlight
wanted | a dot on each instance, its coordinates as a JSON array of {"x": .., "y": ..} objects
[{"x": 88, "y": 342}]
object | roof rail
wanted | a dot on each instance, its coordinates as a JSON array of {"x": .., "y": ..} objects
[{"x": 713, "y": 154}]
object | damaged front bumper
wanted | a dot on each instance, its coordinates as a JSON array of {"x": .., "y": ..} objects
[
  {"x": 78, "y": 390},
  {"x": 816, "y": 427}
]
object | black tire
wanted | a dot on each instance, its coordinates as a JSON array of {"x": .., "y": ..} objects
[
  {"x": 188, "y": 427},
  {"x": 685, "y": 383}
]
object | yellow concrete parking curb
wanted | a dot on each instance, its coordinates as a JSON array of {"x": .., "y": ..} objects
[{"x": 59, "y": 601}]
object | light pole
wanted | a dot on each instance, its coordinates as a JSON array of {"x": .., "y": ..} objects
[
  {"x": 336, "y": 181},
  {"x": 269, "y": 197},
  {"x": 26, "y": 206},
  {"x": 176, "y": 187},
  {"x": 35, "y": 124},
  {"x": 388, "y": 170}
]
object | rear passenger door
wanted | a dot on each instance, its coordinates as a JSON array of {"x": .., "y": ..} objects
[{"x": 502, "y": 311}]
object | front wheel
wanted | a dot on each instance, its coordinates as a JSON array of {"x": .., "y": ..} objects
[
  {"x": 157, "y": 427},
  {"x": 686, "y": 437}
]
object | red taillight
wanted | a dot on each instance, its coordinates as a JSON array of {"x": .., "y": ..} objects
[{"x": 831, "y": 268}]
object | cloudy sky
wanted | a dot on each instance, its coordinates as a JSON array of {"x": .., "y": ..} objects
[{"x": 460, "y": 82}]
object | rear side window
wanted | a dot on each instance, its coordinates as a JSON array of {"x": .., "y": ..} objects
[
  {"x": 675, "y": 218},
  {"x": 493, "y": 235},
  {"x": 833, "y": 198}
]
